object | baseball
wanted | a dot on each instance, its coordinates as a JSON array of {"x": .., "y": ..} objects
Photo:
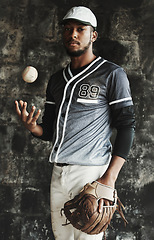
[{"x": 29, "y": 74}]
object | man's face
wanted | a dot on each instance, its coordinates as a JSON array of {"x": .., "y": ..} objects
[{"x": 77, "y": 38}]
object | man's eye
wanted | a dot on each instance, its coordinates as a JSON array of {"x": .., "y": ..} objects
[{"x": 80, "y": 29}]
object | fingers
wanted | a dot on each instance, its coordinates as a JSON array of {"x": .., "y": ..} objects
[
  {"x": 23, "y": 106},
  {"x": 21, "y": 103},
  {"x": 17, "y": 109},
  {"x": 31, "y": 118},
  {"x": 36, "y": 116},
  {"x": 106, "y": 203},
  {"x": 103, "y": 202},
  {"x": 24, "y": 115},
  {"x": 100, "y": 206}
]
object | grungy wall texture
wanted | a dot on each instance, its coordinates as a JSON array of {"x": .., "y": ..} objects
[{"x": 30, "y": 35}]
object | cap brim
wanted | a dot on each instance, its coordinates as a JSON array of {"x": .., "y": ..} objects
[{"x": 78, "y": 20}]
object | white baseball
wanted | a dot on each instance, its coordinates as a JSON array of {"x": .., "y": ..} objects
[{"x": 29, "y": 74}]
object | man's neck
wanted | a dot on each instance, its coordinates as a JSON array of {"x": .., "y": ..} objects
[{"x": 78, "y": 62}]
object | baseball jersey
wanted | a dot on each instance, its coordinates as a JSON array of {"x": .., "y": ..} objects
[{"x": 82, "y": 105}]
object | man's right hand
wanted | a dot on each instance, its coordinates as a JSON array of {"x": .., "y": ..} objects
[{"x": 28, "y": 119}]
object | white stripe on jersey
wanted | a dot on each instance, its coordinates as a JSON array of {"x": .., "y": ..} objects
[
  {"x": 64, "y": 75},
  {"x": 69, "y": 70},
  {"x": 120, "y": 100},
  {"x": 82, "y": 100},
  {"x": 48, "y": 102}
]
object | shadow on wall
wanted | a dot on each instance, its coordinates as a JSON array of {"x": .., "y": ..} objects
[{"x": 110, "y": 50}]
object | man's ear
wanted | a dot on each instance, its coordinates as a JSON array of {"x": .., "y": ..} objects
[{"x": 94, "y": 36}]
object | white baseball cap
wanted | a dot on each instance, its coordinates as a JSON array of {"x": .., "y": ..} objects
[{"x": 81, "y": 14}]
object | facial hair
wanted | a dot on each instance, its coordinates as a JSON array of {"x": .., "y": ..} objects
[{"x": 78, "y": 53}]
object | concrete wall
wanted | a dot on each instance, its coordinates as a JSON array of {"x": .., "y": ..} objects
[{"x": 30, "y": 35}]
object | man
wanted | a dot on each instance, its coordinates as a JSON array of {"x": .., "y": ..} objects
[{"x": 84, "y": 102}]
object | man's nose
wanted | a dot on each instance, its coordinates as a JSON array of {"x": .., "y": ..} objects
[{"x": 74, "y": 34}]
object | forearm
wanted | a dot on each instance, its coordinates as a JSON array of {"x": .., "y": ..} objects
[
  {"x": 124, "y": 122},
  {"x": 123, "y": 142},
  {"x": 45, "y": 133},
  {"x": 111, "y": 174},
  {"x": 37, "y": 131}
]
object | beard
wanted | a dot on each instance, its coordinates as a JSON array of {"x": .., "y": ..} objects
[{"x": 79, "y": 52}]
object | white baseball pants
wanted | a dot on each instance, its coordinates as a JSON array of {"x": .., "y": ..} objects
[{"x": 66, "y": 182}]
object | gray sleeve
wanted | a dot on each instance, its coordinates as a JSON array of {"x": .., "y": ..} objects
[{"x": 119, "y": 93}]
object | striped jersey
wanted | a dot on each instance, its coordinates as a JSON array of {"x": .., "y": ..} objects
[{"x": 83, "y": 104}]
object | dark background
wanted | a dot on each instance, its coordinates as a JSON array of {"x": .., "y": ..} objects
[{"x": 30, "y": 35}]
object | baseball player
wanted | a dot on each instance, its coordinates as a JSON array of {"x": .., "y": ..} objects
[{"x": 84, "y": 102}]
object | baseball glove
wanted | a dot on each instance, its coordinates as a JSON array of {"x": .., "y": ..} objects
[{"x": 82, "y": 210}]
